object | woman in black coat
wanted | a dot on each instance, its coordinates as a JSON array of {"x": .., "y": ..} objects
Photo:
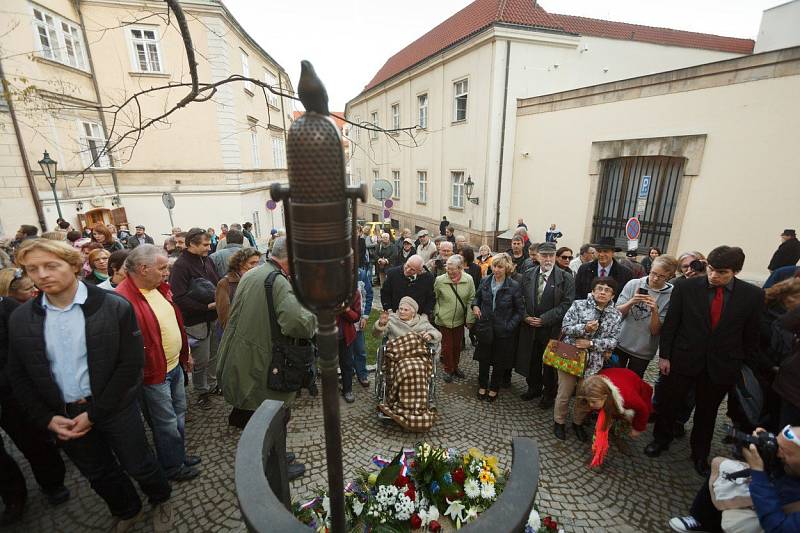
[{"x": 498, "y": 302}]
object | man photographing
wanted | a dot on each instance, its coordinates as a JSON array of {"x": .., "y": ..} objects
[{"x": 775, "y": 502}]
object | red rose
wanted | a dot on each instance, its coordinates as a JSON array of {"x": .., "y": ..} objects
[
  {"x": 435, "y": 526},
  {"x": 416, "y": 521},
  {"x": 458, "y": 476},
  {"x": 401, "y": 481},
  {"x": 410, "y": 494}
]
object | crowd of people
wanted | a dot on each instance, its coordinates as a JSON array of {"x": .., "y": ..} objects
[{"x": 101, "y": 331}]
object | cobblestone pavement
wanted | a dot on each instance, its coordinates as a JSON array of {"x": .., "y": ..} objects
[{"x": 630, "y": 493}]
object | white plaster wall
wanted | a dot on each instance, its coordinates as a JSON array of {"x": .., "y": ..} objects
[{"x": 780, "y": 27}]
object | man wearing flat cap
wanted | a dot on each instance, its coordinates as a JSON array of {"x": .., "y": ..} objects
[
  {"x": 548, "y": 293},
  {"x": 788, "y": 253},
  {"x": 605, "y": 266},
  {"x": 426, "y": 248},
  {"x": 140, "y": 237}
]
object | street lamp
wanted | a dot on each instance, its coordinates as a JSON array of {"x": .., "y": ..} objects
[
  {"x": 49, "y": 169},
  {"x": 469, "y": 186}
]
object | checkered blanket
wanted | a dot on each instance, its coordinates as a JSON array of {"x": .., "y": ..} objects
[{"x": 408, "y": 368}]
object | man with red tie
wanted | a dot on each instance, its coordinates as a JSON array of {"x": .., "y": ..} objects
[{"x": 711, "y": 327}]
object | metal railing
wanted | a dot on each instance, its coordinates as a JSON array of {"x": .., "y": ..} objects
[{"x": 262, "y": 485}]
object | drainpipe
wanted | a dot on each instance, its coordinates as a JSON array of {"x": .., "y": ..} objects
[
  {"x": 97, "y": 96},
  {"x": 37, "y": 202},
  {"x": 502, "y": 145}
]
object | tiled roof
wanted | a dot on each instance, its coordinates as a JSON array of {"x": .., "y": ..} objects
[
  {"x": 650, "y": 34},
  {"x": 481, "y": 14}
]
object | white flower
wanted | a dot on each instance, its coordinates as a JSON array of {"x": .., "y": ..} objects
[
  {"x": 454, "y": 510},
  {"x": 404, "y": 507},
  {"x": 487, "y": 491},
  {"x": 357, "y": 507},
  {"x": 534, "y": 520},
  {"x": 429, "y": 516},
  {"x": 326, "y": 505},
  {"x": 472, "y": 489}
]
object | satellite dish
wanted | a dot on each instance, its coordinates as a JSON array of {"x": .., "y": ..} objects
[{"x": 381, "y": 190}]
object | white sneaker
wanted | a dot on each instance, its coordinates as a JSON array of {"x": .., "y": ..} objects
[
  {"x": 124, "y": 525},
  {"x": 162, "y": 517},
  {"x": 686, "y": 524}
]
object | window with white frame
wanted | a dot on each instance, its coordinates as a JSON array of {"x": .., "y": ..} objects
[
  {"x": 246, "y": 70},
  {"x": 359, "y": 177},
  {"x": 422, "y": 107},
  {"x": 460, "y": 92},
  {"x": 375, "y": 176},
  {"x": 255, "y": 150},
  {"x": 92, "y": 144},
  {"x": 357, "y": 130},
  {"x": 271, "y": 80},
  {"x": 146, "y": 52},
  {"x": 422, "y": 186},
  {"x": 395, "y": 116},
  {"x": 373, "y": 134},
  {"x": 59, "y": 39},
  {"x": 396, "y": 184},
  {"x": 457, "y": 189},
  {"x": 278, "y": 152}
]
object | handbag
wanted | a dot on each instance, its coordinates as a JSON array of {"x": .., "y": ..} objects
[
  {"x": 565, "y": 357},
  {"x": 292, "y": 365}
]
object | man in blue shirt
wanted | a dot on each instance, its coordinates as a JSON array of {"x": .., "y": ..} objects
[{"x": 75, "y": 364}]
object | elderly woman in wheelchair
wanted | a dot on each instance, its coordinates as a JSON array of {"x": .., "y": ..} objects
[{"x": 406, "y": 367}]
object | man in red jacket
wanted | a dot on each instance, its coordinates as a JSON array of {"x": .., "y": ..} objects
[{"x": 165, "y": 348}]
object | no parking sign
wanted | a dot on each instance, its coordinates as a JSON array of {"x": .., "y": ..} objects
[{"x": 633, "y": 229}]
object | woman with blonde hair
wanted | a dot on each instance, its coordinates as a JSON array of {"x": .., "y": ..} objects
[
  {"x": 484, "y": 259},
  {"x": 98, "y": 262},
  {"x": 618, "y": 394}
]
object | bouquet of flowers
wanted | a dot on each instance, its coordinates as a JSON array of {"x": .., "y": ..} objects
[
  {"x": 537, "y": 524},
  {"x": 413, "y": 491}
]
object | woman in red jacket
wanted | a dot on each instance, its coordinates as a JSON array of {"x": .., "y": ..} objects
[
  {"x": 618, "y": 394},
  {"x": 346, "y": 323}
]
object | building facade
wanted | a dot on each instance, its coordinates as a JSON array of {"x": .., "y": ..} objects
[
  {"x": 71, "y": 70},
  {"x": 716, "y": 142},
  {"x": 457, "y": 86}
]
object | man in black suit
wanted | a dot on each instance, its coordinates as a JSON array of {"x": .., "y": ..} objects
[
  {"x": 548, "y": 293},
  {"x": 711, "y": 327},
  {"x": 604, "y": 266},
  {"x": 408, "y": 280},
  {"x": 788, "y": 253}
]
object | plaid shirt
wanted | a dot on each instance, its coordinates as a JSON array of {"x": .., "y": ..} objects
[{"x": 408, "y": 368}]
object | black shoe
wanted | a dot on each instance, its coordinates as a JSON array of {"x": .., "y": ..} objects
[
  {"x": 448, "y": 378},
  {"x": 678, "y": 431},
  {"x": 459, "y": 374},
  {"x": 349, "y": 397},
  {"x": 184, "y": 473},
  {"x": 192, "y": 460},
  {"x": 295, "y": 470},
  {"x": 12, "y": 513},
  {"x": 560, "y": 431},
  {"x": 702, "y": 467},
  {"x": 580, "y": 433},
  {"x": 290, "y": 457},
  {"x": 546, "y": 403},
  {"x": 529, "y": 395},
  {"x": 204, "y": 402},
  {"x": 216, "y": 391},
  {"x": 58, "y": 495},
  {"x": 655, "y": 448}
]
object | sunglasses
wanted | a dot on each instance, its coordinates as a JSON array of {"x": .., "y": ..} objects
[
  {"x": 566, "y": 257},
  {"x": 789, "y": 435}
]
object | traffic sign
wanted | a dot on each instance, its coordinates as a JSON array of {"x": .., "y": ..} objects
[
  {"x": 633, "y": 228},
  {"x": 168, "y": 200},
  {"x": 388, "y": 204},
  {"x": 386, "y": 213},
  {"x": 644, "y": 190},
  {"x": 271, "y": 204}
]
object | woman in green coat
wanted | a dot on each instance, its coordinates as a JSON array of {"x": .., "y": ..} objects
[{"x": 454, "y": 291}]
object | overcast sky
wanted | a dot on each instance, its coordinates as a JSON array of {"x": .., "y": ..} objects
[{"x": 349, "y": 40}]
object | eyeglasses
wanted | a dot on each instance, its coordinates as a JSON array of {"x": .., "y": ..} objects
[
  {"x": 566, "y": 257},
  {"x": 657, "y": 275},
  {"x": 607, "y": 290}
]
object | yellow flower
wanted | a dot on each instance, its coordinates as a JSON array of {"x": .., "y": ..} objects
[
  {"x": 476, "y": 453},
  {"x": 486, "y": 476}
]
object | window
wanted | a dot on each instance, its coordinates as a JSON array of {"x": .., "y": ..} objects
[
  {"x": 422, "y": 106},
  {"x": 248, "y": 86},
  {"x": 255, "y": 151},
  {"x": 395, "y": 116},
  {"x": 92, "y": 143},
  {"x": 396, "y": 184},
  {"x": 422, "y": 186},
  {"x": 278, "y": 152},
  {"x": 272, "y": 81},
  {"x": 375, "y": 176},
  {"x": 59, "y": 39},
  {"x": 460, "y": 90},
  {"x": 147, "y": 57},
  {"x": 359, "y": 177},
  {"x": 457, "y": 189},
  {"x": 373, "y": 134},
  {"x": 357, "y": 130}
]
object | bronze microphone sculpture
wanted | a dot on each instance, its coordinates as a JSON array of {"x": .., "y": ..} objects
[{"x": 320, "y": 227}]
